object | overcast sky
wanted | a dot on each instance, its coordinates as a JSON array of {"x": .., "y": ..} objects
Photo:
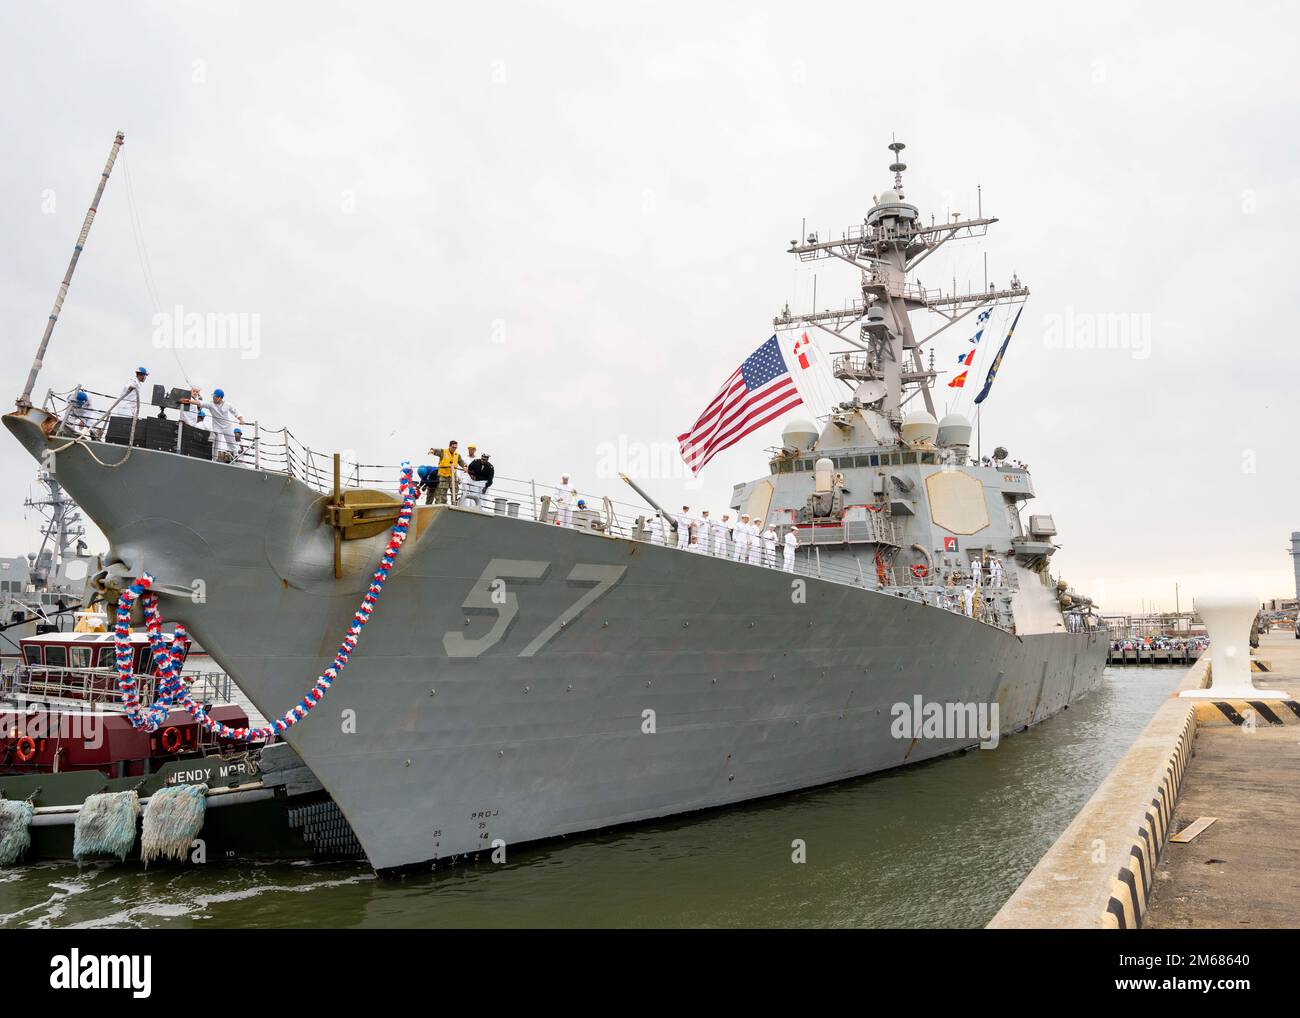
[{"x": 554, "y": 229}]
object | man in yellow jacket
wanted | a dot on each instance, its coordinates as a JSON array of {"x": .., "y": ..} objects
[{"x": 448, "y": 462}]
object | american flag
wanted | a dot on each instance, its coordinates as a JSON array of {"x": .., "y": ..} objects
[{"x": 756, "y": 393}]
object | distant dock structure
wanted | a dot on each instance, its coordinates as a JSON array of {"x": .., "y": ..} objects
[{"x": 1163, "y": 638}]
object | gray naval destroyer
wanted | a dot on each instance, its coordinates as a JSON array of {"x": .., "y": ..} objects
[{"x": 536, "y": 670}]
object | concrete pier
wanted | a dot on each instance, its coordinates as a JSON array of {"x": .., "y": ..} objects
[
  {"x": 1244, "y": 869},
  {"x": 1234, "y": 760}
]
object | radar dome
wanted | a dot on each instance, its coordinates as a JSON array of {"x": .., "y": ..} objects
[
  {"x": 888, "y": 195},
  {"x": 799, "y": 433},
  {"x": 920, "y": 427},
  {"x": 954, "y": 430}
]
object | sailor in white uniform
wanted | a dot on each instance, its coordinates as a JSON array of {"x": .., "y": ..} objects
[
  {"x": 80, "y": 416},
  {"x": 998, "y": 576},
  {"x": 703, "y": 529},
  {"x": 564, "y": 491},
  {"x": 719, "y": 534},
  {"x": 128, "y": 404},
  {"x": 791, "y": 546},
  {"x": 755, "y": 543},
  {"x": 740, "y": 537},
  {"x": 977, "y": 572},
  {"x": 769, "y": 547},
  {"x": 968, "y": 600},
  {"x": 684, "y": 523},
  {"x": 224, "y": 417},
  {"x": 192, "y": 411},
  {"x": 656, "y": 528}
]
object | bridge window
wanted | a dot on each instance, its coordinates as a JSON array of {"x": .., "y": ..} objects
[
  {"x": 79, "y": 657},
  {"x": 56, "y": 655},
  {"x": 32, "y": 655}
]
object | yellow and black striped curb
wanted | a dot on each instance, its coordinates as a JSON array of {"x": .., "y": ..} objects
[
  {"x": 1131, "y": 888},
  {"x": 1248, "y": 712}
]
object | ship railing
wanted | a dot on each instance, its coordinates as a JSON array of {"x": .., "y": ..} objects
[
  {"x": 98, "y": 686},
  {"x": 278, "y": 450}
]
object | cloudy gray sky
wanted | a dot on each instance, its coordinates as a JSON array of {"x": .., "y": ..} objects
[{"x": 555, "y": 228}]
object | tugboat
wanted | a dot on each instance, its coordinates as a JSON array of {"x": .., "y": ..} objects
[{"x": 64, "y": 737}]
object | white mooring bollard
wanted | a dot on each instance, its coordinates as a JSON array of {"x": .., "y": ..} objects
[{"x": 1227, "y": 622}]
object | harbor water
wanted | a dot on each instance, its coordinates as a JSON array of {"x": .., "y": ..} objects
[{"x": 939, "y": 844}]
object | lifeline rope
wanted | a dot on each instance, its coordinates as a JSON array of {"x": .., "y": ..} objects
[{"x": 173, "y": 690}]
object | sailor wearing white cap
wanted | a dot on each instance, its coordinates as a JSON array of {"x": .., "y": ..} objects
[
  {"x": 718, "y": 532},
  {"x": 740, "y": 537},
  {"x": 791, "y": 546},
  {"x": 657, "y": 527},
  {"x": 564, "y": 493},
  {"x": 703, "y": 528},
  {"x": 769, "y": 547},
  {"x": 684, "y": 523},
  {"x": 997, "y": 576}
]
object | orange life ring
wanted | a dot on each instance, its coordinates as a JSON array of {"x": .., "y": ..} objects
[
  {"x": 170, "y": 739},
  {"x": 920, "y": 571},
  {"x": 26, "y": 748}
]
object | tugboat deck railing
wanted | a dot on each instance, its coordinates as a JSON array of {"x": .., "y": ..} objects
[{"x": 97, "y": 687}]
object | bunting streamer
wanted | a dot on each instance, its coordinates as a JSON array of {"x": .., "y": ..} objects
[{"x": 173, "y": 691}]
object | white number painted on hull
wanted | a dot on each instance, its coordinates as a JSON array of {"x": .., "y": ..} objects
[{"x": 484, "y": 598}]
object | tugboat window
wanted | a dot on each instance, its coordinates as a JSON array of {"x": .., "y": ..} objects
[
  {"x": 32, "y": 654},
  {"x": 79, "y": 657},
  {"x": 56, "y": 655}
]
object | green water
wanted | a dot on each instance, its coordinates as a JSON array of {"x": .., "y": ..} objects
[{"x": 939, "y": 844}]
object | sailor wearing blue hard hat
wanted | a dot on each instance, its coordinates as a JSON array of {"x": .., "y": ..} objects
[
  {"x": 128, "y": 404},
  {"x": 224, "y": 418},
  {"x": 79, "y": 417}
]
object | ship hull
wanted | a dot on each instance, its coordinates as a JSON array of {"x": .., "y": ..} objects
[{"x": 602, "y": 682}]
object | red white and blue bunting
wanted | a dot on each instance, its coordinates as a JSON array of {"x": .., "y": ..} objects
[{"x": 173, "y": 691}]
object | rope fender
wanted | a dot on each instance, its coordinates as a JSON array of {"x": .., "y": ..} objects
[{"x": 173, "y": 691}]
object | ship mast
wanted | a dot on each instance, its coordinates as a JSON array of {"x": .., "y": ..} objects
[
  {"x": 885, "y": 368},
  {"x": 63, "y": 526},
  {"x": 25, "y": 400}
]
